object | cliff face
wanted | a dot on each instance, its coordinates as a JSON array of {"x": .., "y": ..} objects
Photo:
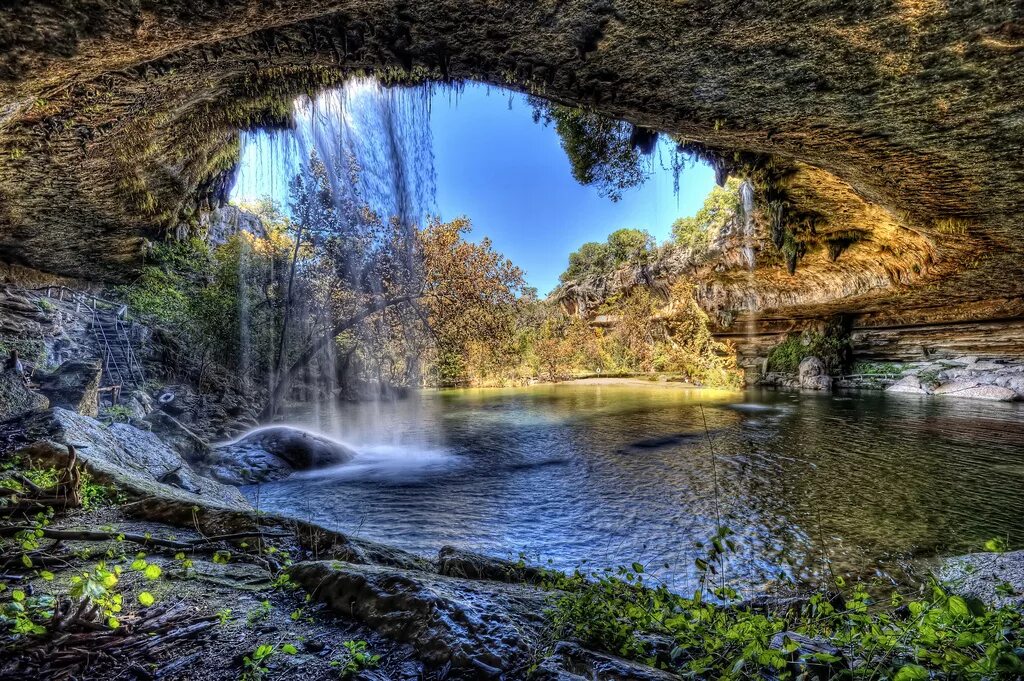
[{"x": 884, "y": 139}]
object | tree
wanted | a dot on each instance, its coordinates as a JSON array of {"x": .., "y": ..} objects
[
  {"x": 602, "y": 151},
  {"x": 721, "y": 205}
]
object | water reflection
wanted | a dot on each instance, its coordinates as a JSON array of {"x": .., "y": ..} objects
[{"x": 612, "y": 474}]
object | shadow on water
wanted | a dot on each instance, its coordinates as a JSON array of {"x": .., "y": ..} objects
[{"x": 613, "y": 474}]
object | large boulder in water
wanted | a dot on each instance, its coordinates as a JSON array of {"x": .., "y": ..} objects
[
  {"x": 272, "y": 454},
  {"x": 813, "y": 374},
  {"x": 74, "y": 385}
]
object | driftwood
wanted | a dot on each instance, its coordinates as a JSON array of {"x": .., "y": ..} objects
[{"x": 78, "y": 643}]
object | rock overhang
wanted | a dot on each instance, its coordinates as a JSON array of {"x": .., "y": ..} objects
[{"x": 892, "y": 122}]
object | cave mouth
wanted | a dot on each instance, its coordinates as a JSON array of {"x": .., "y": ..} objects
[{"x": 534, "y": 178}]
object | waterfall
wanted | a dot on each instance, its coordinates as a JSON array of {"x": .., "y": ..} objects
[
  {"x": 376, "y": 148},
  {"x": 746, "y": 216},
  {"x": 375, "y": 142}
]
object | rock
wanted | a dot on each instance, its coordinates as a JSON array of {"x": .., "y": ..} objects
[
  {"x": 321, "y": 542},
  {"x": 453, "y": 562},
  {"x": 813, "y": 374},
  {"x": 975, "y": 390},
  {"x": 131, "y": 459},
  {"x": 570, "y": 662},
  {"x": 16, "y": 399},
  {"x": 192, "y": 447},
  {"x": 801, "y": 660},
  {"x": 1014, "y": 382},
  {"x": 477, "y": 629},
  {"x": 274, "y": 453},
  {"x": 74, "y": 385},
  {"x": 997, "y": 579},
  {"x": 908, "y": 384}
]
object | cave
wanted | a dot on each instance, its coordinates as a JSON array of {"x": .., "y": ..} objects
[{"x": 875, "y": 151}]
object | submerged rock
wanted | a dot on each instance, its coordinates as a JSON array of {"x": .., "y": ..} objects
[
  {"x": 273, "y": 454},
  {"x": 74, "y": 385},
  {"x": 134, "y": 460}
]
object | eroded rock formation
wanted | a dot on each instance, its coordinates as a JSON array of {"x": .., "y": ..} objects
[{"x": 884, "y": 139}]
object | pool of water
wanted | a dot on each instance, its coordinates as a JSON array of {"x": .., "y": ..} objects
[{"x": 605, "y": 475}]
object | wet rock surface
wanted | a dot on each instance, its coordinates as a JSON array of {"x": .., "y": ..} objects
[
  {"x": 132, "y": 459},
  {"x": 172, "y": 431},
  {"x": 73, "y": 385},
  {"x": 274, "y": 453},
  {"x": 966, "y": 377},
  {"x": 454, "y": 562},
  {"x": 477, "y": 629},
  {"x": 571, "y": 662},
  {"x": 995, "y": 578},
  {"x": 16, "y": 399}
]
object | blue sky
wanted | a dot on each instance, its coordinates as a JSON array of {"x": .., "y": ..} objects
[{"x": 511, "y": 177}]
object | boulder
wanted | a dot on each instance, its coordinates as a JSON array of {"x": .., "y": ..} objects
[
  {"x": 453, "y": 562},
  {"x": 996, "y": 579},
  {"x": 274, "y": 453},
  {"x": 975, "y": 390},
  {"x": 908, "y": 384},
  {"x": 16, "y": 399},
  {"x": 474, "y": 629},
  {"x": 571, "y": 662},
  {"x": 74, "y": 385},
  {"x": 133, "y": 460},
  {"x": 813, "y": 375},
  {"x": 172, "y": 431}
]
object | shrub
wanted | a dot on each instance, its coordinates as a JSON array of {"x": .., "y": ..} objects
[
  {"x": 936, "y": 635},
  {"x": 787, "y": 355}
]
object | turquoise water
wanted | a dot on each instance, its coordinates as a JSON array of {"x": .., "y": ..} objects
[{"x": 607, "y": 475}]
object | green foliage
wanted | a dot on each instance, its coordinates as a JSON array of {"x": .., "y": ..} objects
[
  {"x": 695, "y": 233},
  {"x": 254, "y": 665},
  {"x": 97, "y": 587},
  {"x": 623, "y": 246},
  {"x": 260, "y": 612},
  {"x": 118, "y": 413},
  {"x": 355, "y": 659},
  {"x": 27, "y": 615},
  {"x": 787, "y": 355},
  {"x": 602, "y": 151},
  {"x": 938, "y": 633}
]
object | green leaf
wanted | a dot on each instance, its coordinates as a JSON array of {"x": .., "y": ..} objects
[
  {"x": 25, "y": 560},
  {"x": 911, "y": 672},
  {"x": 152, "y": 571},
  {"x": 289, "y": 648},
  {"x": 958, "y": 607},
  {"x": 18, "y": 595},
  {"x": 637, "y": 567},
  {"x": 112, "y": 622},
  {"x": 146, "y": 599},
  {"x": 46, "y": 575}
]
